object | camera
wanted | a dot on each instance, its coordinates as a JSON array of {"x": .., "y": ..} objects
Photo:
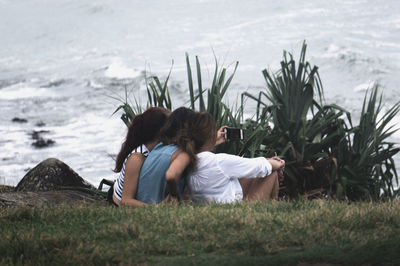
[{"x": 234, "y": 133}]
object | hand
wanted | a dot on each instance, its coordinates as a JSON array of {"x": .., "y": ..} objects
[
  {"x": 276, "y": 163},
  {"x": 221, "y": 136},
  {"x": 281, "y": 169}
]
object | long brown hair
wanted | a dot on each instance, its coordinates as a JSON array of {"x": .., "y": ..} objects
[
  {"x": 144, "y": 128},
  {"x": 179, "y": 119},
  {"x": 200, "y": 131}
]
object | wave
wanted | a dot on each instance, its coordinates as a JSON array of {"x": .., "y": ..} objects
[
  {"x": 55, "y": 83},
  {"x": 117, "y": 69},
  {"x": 357, "y": 60},
  {"x": 23, "y": 91}
]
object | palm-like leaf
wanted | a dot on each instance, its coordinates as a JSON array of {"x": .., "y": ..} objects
[
  {"x": 158, "y": 93},
  {"x": 305, "y": 131},
  {"x": 366, "y": 162},
  {"x": 215, "y": 94}
]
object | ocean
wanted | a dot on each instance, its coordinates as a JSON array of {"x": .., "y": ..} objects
[{"x": 62, "y": 63}]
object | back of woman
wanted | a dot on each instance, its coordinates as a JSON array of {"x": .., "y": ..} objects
[
  {"x": 143, "y": 134},
  {"x": 152, "y": 186}
]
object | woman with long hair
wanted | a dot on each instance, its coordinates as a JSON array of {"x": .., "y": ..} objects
[
  {"x": 142, "y": 136},
  {"x": 152, "y": 187},
  {"x": 221, "y": 177}
]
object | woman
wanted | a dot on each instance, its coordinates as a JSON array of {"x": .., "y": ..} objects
[
  {"x": 143, "y": 135},
  {"x": 215, "y": 177},
  {"x": 152, "y": 187}
]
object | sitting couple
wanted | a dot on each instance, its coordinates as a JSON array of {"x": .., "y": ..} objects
[{"x": 164, "y": 152}]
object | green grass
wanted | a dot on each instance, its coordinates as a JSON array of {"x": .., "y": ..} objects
[{"x": 263, "y": 233}]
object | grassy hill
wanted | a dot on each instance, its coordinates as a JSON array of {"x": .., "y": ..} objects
[{"x": 262, "y": 233}]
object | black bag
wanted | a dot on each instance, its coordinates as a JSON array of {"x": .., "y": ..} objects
[{"x": 110, "y": 191}]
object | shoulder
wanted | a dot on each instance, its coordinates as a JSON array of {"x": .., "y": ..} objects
[
  {"x": 135, "y": 158},
  {"x": 180, "y": 154},
  {"x": 207, "y": 155}
]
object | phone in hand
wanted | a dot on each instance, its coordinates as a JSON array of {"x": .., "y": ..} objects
[{"x": 234, "y": 133}]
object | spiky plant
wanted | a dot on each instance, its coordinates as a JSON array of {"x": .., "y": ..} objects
[
  {"x": 157, "y": 95},
  {"x": 214, "y": 102},
  {"x": 365, "y": 158},
  {"x": 305, "y": 131},
  {"x": 157, "y": 92},
  {"x": 128, "y": 109}
]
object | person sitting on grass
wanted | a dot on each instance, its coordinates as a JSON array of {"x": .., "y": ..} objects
[
  {"x": 152, "y": 186},
  {"x": 143, "y": 135},
  {"x": 221, "y": 177}
]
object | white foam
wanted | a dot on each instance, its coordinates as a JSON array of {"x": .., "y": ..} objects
[
  {"x": 22, "y": 91},
  {"x": 117, "y": 69},
  {"x": 95, "y": 84},
  {"x": 333, "y": 51},
  {"x": 364, "y": 86},
  {"x": 246, "y": 24}
]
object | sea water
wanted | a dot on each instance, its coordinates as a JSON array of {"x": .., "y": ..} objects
[{"x": 63, "y": 63}]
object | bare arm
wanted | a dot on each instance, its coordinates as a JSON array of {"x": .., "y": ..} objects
[
  {"x": 179, "y": 161},
  {"x": 132, "y": 171}
]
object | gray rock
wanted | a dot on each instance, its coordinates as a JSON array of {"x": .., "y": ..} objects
[
  {"x": 19, "y": 120},
  {"x": 51, "y": 174}
]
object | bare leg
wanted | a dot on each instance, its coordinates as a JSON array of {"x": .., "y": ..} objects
[{"x": 260, "y": 188}]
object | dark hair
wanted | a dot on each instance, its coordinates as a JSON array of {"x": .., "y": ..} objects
[
  {"x": 177, "y": 120},
  {"x": 200, "y": 131},
  {"x": 144, "y": 128}
]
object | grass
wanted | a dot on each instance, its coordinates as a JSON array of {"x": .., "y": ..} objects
[
  {"x": 262, "y": 233},
  {"x": 4, "y": 188}
]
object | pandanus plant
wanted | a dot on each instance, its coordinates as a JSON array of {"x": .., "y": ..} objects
[
  {"x": 325, "y": 154},
  {"x": 305, "y": 131},
  {"x": 365, "y": 158}
]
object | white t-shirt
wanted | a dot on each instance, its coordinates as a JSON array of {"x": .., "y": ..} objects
[{"x": 215, "y": 176}]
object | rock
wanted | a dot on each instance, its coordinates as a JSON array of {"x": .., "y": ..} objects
[
  {"x": 37, "y": 134},
  {"x": 42, "y": 143},
  {"x": 40, "y": 124},
  {"x": 50, "y": 183},
  {"x": 19, "y": 120},
  {"x": 51, "y": 174}
]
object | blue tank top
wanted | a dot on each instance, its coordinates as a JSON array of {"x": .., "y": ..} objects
[{"x": 152, "y": 185}]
